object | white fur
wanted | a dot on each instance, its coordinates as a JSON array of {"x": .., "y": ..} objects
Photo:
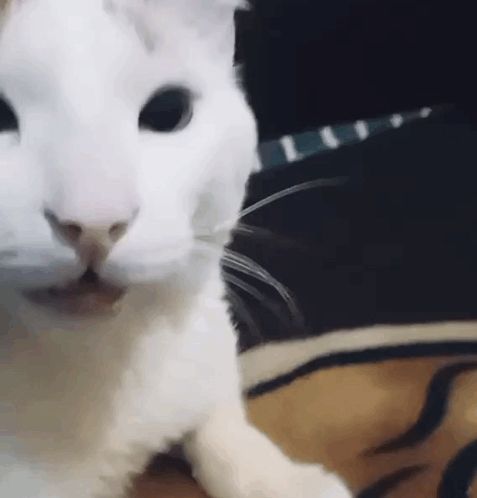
[{"x": 85, "y": 402}]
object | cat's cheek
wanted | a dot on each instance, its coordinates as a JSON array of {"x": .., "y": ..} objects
[{"x": 154, "y": 264}]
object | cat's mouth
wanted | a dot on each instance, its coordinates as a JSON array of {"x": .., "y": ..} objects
[{"x": 88, "y": 295}]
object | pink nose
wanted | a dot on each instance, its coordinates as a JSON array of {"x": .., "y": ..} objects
[{"x": 91, "y": 243}]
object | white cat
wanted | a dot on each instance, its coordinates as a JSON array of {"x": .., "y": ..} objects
[{"x": 125, "y": 148}]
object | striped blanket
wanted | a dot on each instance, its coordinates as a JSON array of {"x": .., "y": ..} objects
[{"x": 391, "y": 409}]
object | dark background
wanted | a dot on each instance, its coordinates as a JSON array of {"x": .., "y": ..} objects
[
  {"x": 398, "y": 242},
  {"x": 309, "y": 62}
]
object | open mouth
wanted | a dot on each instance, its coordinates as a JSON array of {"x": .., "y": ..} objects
[{"x": 88, "y": 295}]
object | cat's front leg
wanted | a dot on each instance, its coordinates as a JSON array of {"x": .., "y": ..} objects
[{"x": 232, "y": 459}]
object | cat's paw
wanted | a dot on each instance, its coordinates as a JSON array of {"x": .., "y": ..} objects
[{"x": 292, "y": 481}]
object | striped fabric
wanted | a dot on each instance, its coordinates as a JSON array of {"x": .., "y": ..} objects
[{"x": 292, "y": 148}]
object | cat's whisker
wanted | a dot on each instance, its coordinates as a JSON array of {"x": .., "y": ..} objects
[
  {"x": 244, "y": 314},
  {"x": 242, "y": 264},
  {"x": 320, "y": 182},
  {"x": 250, "y": 230},
  {"x": 317, "y": 183},
  {"x": 256, "y": 294},
  {"x": 246, "y": 230}
]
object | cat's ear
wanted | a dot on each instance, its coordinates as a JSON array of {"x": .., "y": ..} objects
[
  {"x": 214, "y": 22},
  {"x": 210, "y": 21}
]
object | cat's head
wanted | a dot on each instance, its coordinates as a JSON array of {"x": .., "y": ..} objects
[{"x": 124, "y": 139}]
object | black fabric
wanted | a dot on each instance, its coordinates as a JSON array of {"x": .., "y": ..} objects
[
  {"x": 313, "y": 62},
  {"x": 396, "y": 244}
]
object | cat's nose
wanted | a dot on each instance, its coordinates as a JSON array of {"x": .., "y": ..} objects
[{"x": 91, "y": 243}]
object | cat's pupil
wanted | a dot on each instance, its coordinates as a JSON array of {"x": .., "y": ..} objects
[
  {"x": 168, "y": 110},
  {"x": 8, "y": 119}
]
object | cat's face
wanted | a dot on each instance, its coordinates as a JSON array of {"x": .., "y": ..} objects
[{"x": 123, "y": 138}]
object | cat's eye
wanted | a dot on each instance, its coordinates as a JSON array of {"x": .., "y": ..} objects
[
  {"x": 169, "y": 110},
  {"x": 8, "y": 119}
]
